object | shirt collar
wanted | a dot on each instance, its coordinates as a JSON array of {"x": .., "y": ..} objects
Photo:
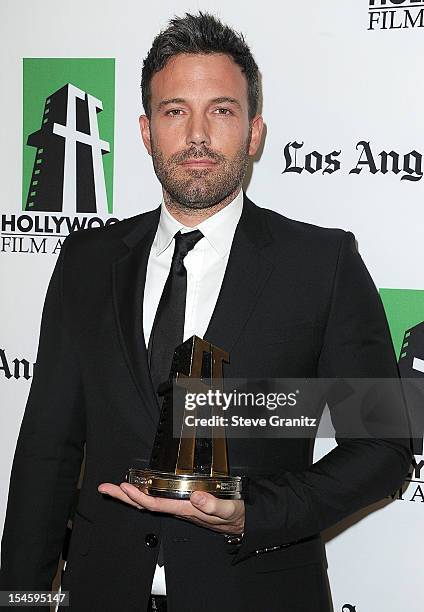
[{"x": 218, "y": 229}]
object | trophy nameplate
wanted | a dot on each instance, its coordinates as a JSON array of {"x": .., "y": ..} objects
[{"x": 180, "y": 465}]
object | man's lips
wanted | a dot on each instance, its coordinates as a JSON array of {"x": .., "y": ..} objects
[{"x": 199, "y": 163}]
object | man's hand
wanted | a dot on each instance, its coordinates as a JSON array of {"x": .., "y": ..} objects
[{"x": 222, "y": 515}]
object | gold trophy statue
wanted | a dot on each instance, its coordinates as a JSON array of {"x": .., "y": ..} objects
[{"x": 196, "y": 459}]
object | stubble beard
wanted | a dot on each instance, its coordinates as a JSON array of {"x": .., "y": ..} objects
[{"x": 196, "y": 189}]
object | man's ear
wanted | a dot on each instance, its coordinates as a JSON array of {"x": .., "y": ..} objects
[
  {"x": 145, "y": 132},
  {"x": 256, "y": 136}
]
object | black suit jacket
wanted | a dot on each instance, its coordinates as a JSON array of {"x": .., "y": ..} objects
[{"x": 296, "y": 301}]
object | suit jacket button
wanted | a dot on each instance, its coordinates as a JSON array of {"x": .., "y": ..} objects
[{"x": 151, "y": 540}]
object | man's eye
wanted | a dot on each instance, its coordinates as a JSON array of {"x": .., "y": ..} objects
[
  {"x": 223, "y": 111},
  {"x": 174, "y": 112}
]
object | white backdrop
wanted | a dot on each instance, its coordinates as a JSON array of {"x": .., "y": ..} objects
[{"x": 329, "y": 82}]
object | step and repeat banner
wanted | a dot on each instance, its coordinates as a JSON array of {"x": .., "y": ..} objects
[{"x": 342, "y": 102}]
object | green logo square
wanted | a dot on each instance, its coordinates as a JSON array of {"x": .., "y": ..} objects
[{"x": 68, "y": 135}]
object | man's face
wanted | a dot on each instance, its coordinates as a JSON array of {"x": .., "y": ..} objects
[{"x": 199, "y": 134}]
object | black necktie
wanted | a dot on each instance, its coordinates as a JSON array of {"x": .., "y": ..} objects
[{"x": 168, "y": 326}]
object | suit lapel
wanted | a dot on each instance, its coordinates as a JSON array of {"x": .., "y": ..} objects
[
  {"x": 129, "y": 277},
  {"x": 245, "y": 276}
]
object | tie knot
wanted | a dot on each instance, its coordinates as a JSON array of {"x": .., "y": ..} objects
[{"x": 185, "y": 242}]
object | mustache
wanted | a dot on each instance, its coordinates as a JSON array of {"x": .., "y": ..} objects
[{"x": 197, "y": 153}]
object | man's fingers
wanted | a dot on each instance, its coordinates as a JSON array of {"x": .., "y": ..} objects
[
  {"x": 178, "y": 507},
  {"x": 118, "y": 493},
  {"x": 202, "y": 508},
  {"x": 209, "y": 504}
]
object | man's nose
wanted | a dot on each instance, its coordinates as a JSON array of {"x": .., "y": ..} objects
[{"x": 198, "y": 131}]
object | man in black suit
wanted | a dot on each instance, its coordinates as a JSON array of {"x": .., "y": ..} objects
[{"x": 284, "y": 298}]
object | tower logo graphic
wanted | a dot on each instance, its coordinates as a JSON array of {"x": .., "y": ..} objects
[
  {"x": 68, "y": 173},
  {"x": 68, "y": 157}
]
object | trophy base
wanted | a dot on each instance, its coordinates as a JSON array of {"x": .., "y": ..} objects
[{"x": 181, "y": 486}]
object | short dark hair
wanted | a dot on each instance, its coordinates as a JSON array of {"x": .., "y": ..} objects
[{"x": 201, "y": 33}]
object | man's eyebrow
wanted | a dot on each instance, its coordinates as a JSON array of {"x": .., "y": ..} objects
[
  {"x": 226, "y": 100},
  {"x": 220, "y": 100},
  {"x": 163, "y": 103}
]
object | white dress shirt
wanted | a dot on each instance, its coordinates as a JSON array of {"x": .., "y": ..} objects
[{"x": 205, "y": 264}]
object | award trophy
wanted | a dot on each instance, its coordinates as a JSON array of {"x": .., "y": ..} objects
[{"x": 196, "y": 460}]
